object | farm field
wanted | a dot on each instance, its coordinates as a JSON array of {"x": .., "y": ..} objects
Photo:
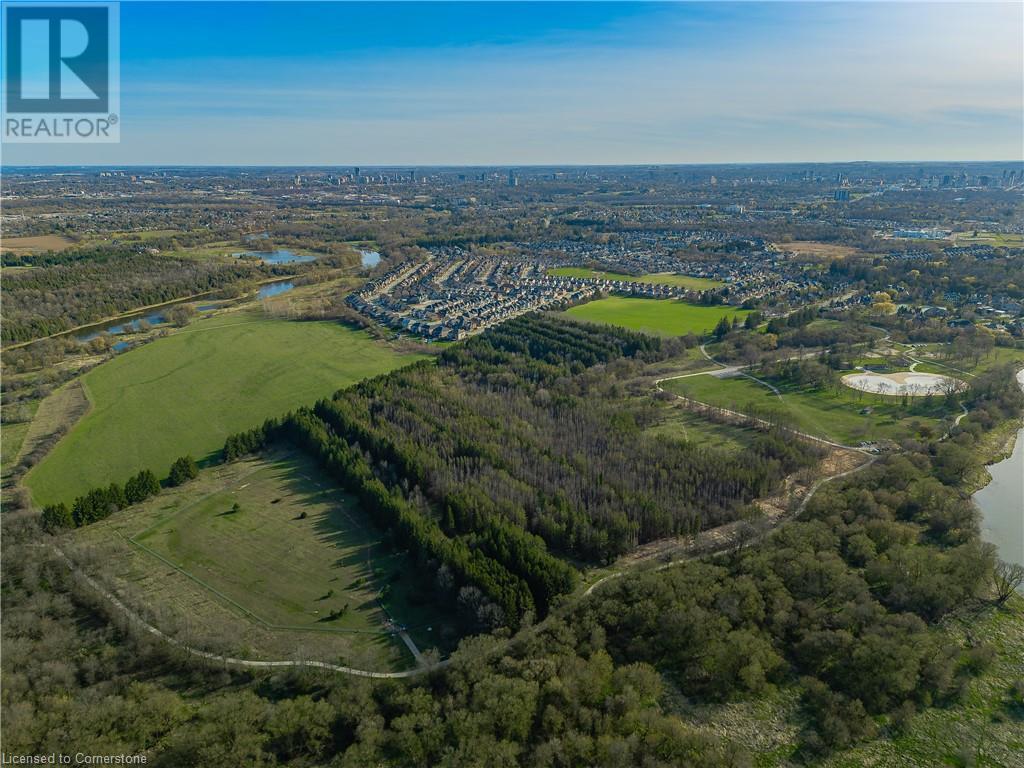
[
  {"x": 185, "y": 393},
  {"x": 659, "y": 316},
  {"x": 833, "y": 415},
  {"x": 22, "y": 246},
  {"x": 661, "y": 278}
]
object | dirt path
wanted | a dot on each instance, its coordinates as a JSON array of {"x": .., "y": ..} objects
[
  {"x": 228, "y": 660},
  {"x": 724, "y": 537}
]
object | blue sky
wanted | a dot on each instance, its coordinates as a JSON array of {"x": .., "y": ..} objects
[{"x": 561, "y": 83}]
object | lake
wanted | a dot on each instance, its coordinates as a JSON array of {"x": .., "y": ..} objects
[
  {"x": 369, "y": 258},
  {"x": 278, "y": 256},
  {"x": 273, "y": 289},
  {"x": 1002, "y": 502}
]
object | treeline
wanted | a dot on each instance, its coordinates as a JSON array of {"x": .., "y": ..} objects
[
  {"x": 539, "y": 349},
  {"x": 521, "y": 444},
  {"x": 101, "y": 502},
  {"x": 78, "y": 290},
  {"x": 408, "y": 525},
  {"x": 507, "y": 428},
  {"x": 993, "y": 397}
]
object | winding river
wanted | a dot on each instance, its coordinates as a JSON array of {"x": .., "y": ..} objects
[{"x": 1002, "y": 501}]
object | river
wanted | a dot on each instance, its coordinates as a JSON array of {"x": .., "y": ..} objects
[{"x": 1002, "y": 502}]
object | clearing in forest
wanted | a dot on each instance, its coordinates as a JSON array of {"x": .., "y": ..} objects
[{"x": 270, "y": 551}]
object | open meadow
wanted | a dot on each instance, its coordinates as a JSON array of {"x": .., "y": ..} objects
[
  {"x": 296, "y": 565},
  {"x": 658, "y": 278},
  {"x": 185, "y": 393},
  {"x": 665, "y": 317}
]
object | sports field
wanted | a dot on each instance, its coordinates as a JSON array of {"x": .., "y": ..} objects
[
  {"x": 843, "y": 415},
  {"x": 660, "y": 316},
  {"x": 659, "y": 278},
  {"x": 185, "y": 393}
]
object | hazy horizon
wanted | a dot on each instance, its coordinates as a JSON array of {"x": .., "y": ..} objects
[{"x": 543, "y": 84}]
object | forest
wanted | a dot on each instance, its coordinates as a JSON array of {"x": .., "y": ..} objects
[
  {"x": 844, "y": 606},
  {"x": 79, "y": 288},
  {"x": 522, "y": 447}
]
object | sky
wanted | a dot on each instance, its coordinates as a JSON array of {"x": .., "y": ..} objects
[{"x": 494, "y": 83}]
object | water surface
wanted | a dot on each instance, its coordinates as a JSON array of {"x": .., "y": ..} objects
[
  {"x": 277, "y": 256},
  {"x": 273, "y": 289},
  {"x": 1002, "y": 502}
]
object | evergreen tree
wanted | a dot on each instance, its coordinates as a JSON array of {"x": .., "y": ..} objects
[
  {"x": 183, "y": 470},
  {"x": 57, "y": 517}
]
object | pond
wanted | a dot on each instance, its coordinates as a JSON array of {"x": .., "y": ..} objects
[
  {"x": 273, "y": 289},
  {"x": 117, "y": 327},
  {"x": 370, "y": 258},
  {"x": 1002, "y": 502},
  {"x": 277, "y": 256}
]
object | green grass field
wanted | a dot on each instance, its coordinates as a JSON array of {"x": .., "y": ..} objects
[
  {"x": 298, "y": 549},
  {"x": 263, "y": 582},
  {"x": 185, "y": 393},
  {"x": 661, "y": 316},
  {"x": 659, "y": 278},
  {"x": 995, "y": 239},
  {"x": 833, "y": 415}
]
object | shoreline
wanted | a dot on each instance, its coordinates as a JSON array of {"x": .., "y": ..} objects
[{"x": 1004, "y": 448}]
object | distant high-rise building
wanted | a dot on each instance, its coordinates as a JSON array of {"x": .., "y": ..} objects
[
  {"x": 513, "y": 180},
  {"x": 841, "y": 195}
]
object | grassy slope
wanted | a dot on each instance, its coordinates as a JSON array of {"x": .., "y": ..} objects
[
  {"x": 263, "y": 561},
  {"x": 331, "y": 558},
  {"x": 660, "y": 278},
  {"x": 834, "y": 416},
  {"x": 187, "y": 392},
  {"x": 673, "y": 318}
]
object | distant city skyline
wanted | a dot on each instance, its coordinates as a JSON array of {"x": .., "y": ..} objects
[{"x": 533, "y": 84}]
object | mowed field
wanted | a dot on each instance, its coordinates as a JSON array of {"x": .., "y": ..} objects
[
  {"x": 833, "y": 415},
  {"x": 185, "y": 393},
  {"x": 661, "y": 316},
  {"x": 659, "y": 278}
]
